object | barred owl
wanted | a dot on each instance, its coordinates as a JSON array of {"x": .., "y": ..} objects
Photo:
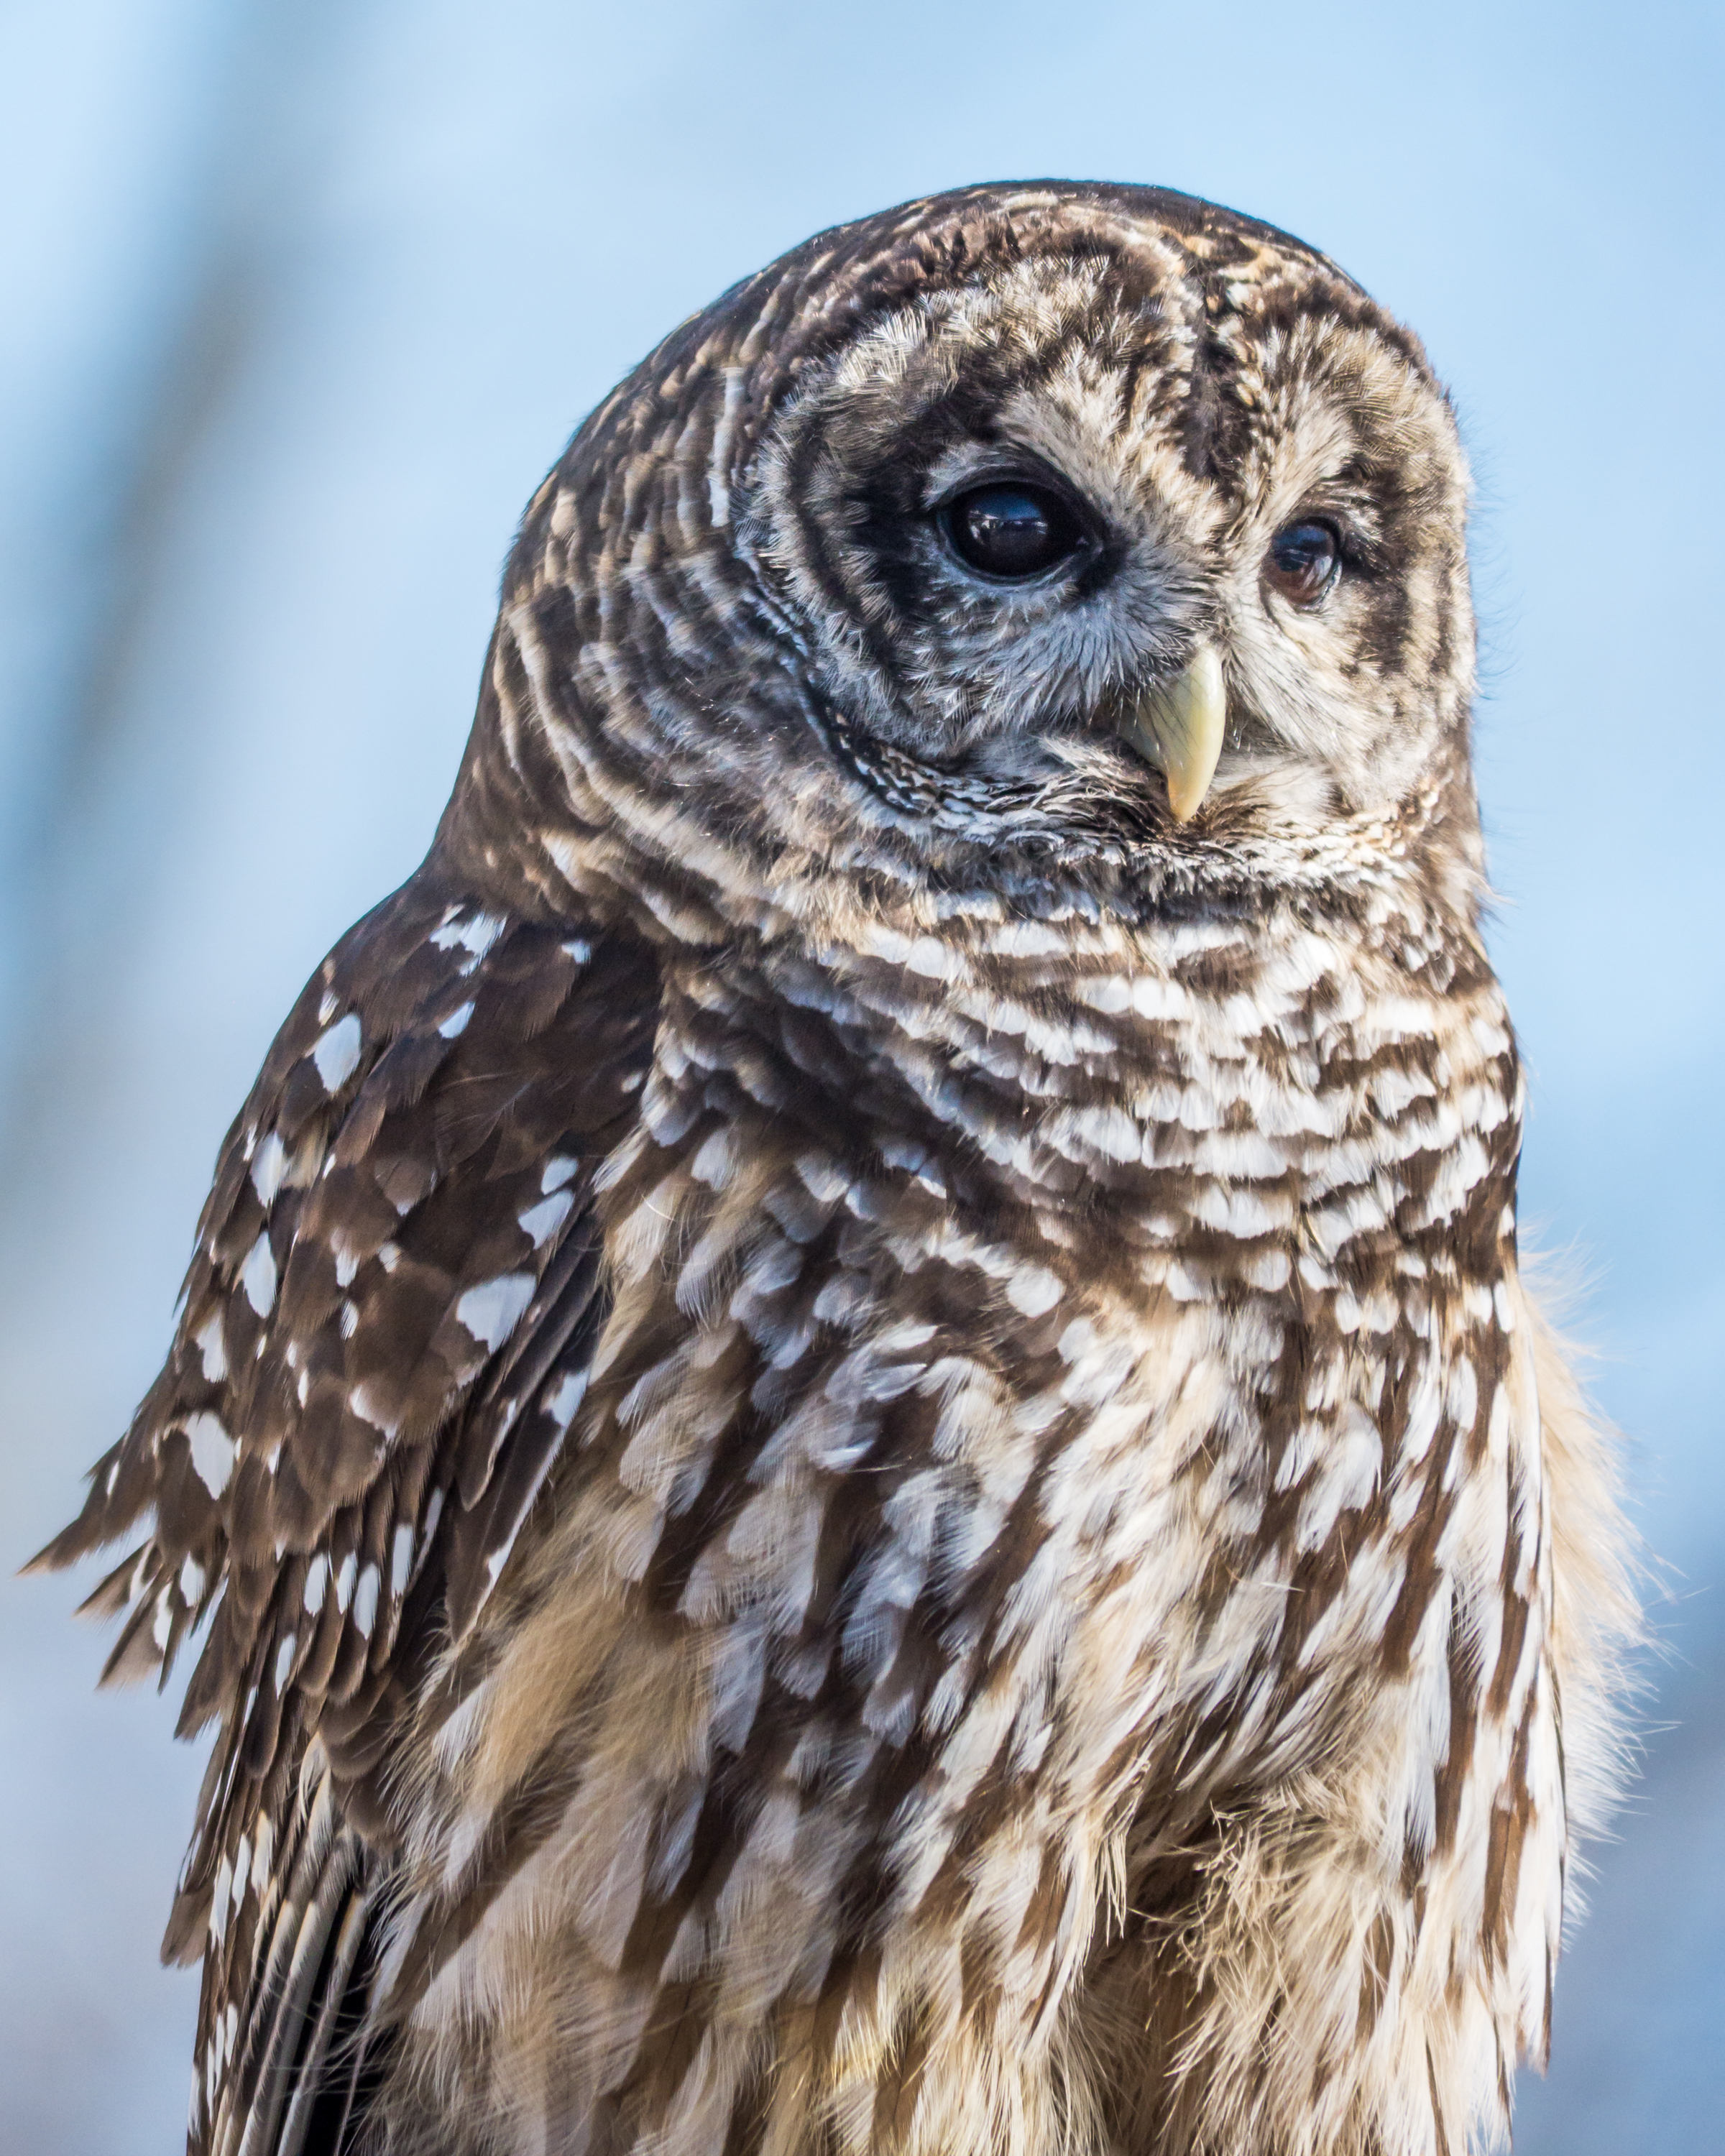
[{"x": 855, "y": 1439}]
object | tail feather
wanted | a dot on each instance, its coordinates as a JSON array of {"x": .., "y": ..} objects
[{"x": 302, "y": 2019}]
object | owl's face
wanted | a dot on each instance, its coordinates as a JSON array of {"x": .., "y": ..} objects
[
  {"x": 1006, "y": 515},
  {"x": 1112, "y": 519}
]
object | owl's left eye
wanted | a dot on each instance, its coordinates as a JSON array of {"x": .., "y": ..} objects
[
  {"x": 1011, "y": 530},
  {"x": 1302, "y": 563}
]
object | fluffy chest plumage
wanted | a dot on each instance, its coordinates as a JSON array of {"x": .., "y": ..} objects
[
  {"x": 1047, "y": 1372},
  {"x": 1114, "y": 1239}
]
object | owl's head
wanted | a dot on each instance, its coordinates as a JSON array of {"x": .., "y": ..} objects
[{"x": 1061, "y": 530}]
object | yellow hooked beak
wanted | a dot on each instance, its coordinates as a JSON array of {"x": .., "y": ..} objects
[{"x": 1178, "y": 726}]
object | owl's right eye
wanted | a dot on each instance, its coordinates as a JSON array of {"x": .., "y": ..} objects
[{"x": 1011, "y": 530}]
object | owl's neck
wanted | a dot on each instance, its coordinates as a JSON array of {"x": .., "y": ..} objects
[{"x": 1334, "y": 1093}]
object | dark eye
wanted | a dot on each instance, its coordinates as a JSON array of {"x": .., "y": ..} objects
[
  {"x": 1011, "y": 530},
  {"x": 1302, "y": 563}
]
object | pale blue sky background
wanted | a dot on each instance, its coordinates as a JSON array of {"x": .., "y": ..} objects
[{"x": 297, "y": 302}]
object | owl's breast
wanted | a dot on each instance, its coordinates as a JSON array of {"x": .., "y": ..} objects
[
  {"x": 1003, "y": 1438},
  {"x": 1131, "y": 1332}
]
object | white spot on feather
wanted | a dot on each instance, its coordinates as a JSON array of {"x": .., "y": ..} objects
[
  {"x": 336, "y": 1052},
  {"x": 401, "y": 1559},
  {"x": 218, "y": 1906},
  {"x": 492, "y": 1310},
  {"x": 317, "y": 1574},
  {"x": 257, "y": 1276},
  {"x": 559, "y": 1169},
  {"x": 563, "y": 1402},
  {"x": 192, "y": 1580},
  {"x": 1268, "y": 1270},
  {"x": 365, "y": 1601},
  {"x": 434, "y": 1513},
  {"x": 1105, "y": 991},
  {"x": 477, "y": 935},
  {"x": 1352, "y": 1461},
  {"x": 344, "y": 1582},
  {"x": 365, "y": 1405},
  {"x": 935, "y": 961},
  {"x": 1028, "y": 939},
  {"x": 455, "y": 1024},
  {"x": 213, "y": 1348},
  {"x": 1462, "y": 1394},
  {"x": 714, "y": 1162},
  {"x": 1492, "y": 1039},
  {"x": 1033, "y": 1291},
  {"x": 285, "y": 1658},
  {"x": 541, "y": 1221},
  {"x": 347, "y": 1265},
  {"x": 1155, "y": 997},
  {"x": 269, "y": 1166},
  {"x": 718, "y": 468},
  {"x": 211, "y": 1452}
]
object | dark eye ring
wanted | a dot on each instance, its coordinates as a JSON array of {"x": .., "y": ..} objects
[
  {"x": 1303, "y": 562},
  {"x": 1010, "y": 529}
]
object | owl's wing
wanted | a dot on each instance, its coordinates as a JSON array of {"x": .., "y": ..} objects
[{"x": 384, "y": 1335}]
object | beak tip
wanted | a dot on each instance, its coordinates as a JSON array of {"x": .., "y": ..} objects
[{"x": 1185, "y": 721}]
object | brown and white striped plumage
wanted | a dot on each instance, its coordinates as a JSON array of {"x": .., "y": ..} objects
[{"x": 855, "y": 1422}]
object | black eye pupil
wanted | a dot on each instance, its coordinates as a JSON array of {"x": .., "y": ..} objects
[
  {"x": 1303, "y": 562},
  {"x": 1011, "y": 530}
]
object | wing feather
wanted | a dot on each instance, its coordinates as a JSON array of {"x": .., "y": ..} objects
[{"x": 382, "y": 1341}]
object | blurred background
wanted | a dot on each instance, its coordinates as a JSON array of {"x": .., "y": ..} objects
[{"x": 298, "y": 301}]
